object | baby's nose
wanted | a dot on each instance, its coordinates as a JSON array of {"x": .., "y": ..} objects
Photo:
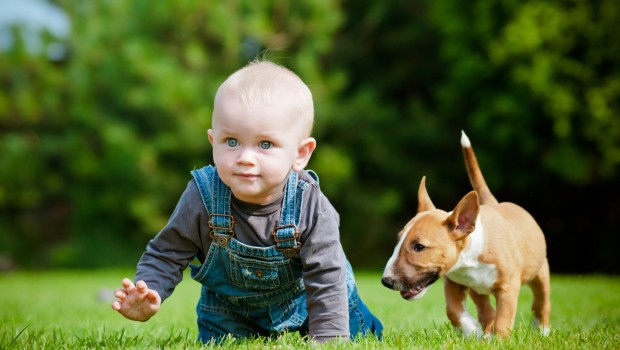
[{"x": 246, "y": 156}]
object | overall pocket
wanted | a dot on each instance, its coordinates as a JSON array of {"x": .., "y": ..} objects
[
  {"x": 259, "y": 275},
  {"x": 199, "y": 272}
]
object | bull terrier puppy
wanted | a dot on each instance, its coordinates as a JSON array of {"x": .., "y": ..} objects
[{"x": 482, "y": 247}]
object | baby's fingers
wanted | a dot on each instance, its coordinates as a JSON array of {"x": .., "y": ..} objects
[
  {"x": 128, "y": 285},
  {"x": 120, "y": 294},
  {"x": 153, "y": 297},
  {"x": 141, "y": 286},
  {"x": 116, "y": 305}
]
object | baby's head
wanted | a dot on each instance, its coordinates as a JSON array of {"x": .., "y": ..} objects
[
  {"x": 266, "y": 83},
  {"x": 262, "y": 120}
]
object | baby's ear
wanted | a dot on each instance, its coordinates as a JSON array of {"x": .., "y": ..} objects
[
  {"x": 210, "y": 135},
  {"x": 304, "y": 152}
]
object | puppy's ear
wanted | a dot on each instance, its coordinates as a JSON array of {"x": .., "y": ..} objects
[
  {"x": 462, "y": 221},
  {"x": 424, "y": 201}
]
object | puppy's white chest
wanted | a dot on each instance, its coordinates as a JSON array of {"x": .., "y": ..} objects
[
  {"x": 480, "y": 277},
  {"x": 470, "y": 272}
]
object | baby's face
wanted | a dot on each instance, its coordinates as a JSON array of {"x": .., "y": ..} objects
[{"x": 255, "y": 147}]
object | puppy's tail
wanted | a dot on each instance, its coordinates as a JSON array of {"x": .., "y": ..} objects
[{"x": 475, "y": 175}]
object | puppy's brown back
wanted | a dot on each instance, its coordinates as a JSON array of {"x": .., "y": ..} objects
[{"x": 512, "y": 233}]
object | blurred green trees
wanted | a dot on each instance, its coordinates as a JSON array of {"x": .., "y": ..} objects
[
  {"x": 96, "y": 150},
  {"x": 534, "y": 85}
]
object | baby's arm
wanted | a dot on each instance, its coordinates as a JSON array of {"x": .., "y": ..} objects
[
  {"x": 136, "y": 302},
  {"x": 164, "y": 260}
]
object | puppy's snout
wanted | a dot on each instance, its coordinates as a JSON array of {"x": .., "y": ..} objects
[{"x": 388, "y": 282}]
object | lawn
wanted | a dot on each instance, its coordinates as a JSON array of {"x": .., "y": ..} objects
[{"x": 71, "y": 309}]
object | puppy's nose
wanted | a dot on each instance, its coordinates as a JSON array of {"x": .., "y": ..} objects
[{"x": 388, "y": 282}]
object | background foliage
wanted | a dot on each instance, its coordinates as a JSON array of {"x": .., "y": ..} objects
[{"x": 96, "y": 149}]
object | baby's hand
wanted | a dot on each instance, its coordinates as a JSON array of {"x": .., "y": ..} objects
[{"x": 137, "y": 303}]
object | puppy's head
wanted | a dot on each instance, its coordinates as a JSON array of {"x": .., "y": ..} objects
[{"x": 429, "y": 245}]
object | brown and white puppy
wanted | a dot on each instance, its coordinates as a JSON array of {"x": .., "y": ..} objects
[{"x": 482, "y": 247}]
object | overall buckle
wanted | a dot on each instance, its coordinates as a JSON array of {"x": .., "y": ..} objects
[
  {"x": 274, "y": 233},
  {"x": 221, "y": 239},
  {"x": 290, "y": 252},
  {"x": 287, "y": 251},
  {"x": 213, "y": 227}
]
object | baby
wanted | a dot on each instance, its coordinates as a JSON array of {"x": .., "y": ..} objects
[{"x": 265, "y": 236}]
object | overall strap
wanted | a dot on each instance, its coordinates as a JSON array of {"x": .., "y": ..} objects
[
  {"x": 286, "y": 234},
  {"x": 216, "y": 198}
]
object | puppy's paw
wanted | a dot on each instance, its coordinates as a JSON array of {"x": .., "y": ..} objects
[
  {"x": 469, "y": 326},
  {"x": 543, "y": 329}
]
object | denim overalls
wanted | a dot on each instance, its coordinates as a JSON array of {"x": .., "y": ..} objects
[{"x": 249, "y": 291}]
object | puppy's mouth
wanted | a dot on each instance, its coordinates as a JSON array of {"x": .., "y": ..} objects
[{"x": 420, "y": 287}]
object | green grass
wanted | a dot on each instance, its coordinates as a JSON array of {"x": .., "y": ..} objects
[{"x": 68, "y": 310}]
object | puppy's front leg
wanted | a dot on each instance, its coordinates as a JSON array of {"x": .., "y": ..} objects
[
  {"x": 507, "y": 298},
  {"x": 455, "y": 308},
  {"x": 486, "y": 312}
]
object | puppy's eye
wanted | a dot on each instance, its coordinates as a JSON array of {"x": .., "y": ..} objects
[{"x": 417, "y": 247}]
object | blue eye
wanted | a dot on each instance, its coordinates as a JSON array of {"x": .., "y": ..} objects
[
  {"x": 232, "y": 142},
  {"x": 264, "y": 145}
]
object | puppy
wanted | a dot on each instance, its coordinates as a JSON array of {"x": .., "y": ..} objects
[{"x": 482, "y": 247}]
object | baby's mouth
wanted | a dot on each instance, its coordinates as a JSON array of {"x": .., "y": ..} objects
[{"x": 247, "y": 176}]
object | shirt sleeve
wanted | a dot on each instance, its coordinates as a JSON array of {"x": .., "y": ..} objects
[
  {"x": 324, "y": 273},
  {"x": 175, "y": 246}
]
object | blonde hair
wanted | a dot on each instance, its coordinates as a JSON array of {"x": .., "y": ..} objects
[{"x": 268, "y": 83}]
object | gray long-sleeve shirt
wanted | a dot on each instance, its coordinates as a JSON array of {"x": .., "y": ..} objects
[{"x": 186, "y": 236}]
